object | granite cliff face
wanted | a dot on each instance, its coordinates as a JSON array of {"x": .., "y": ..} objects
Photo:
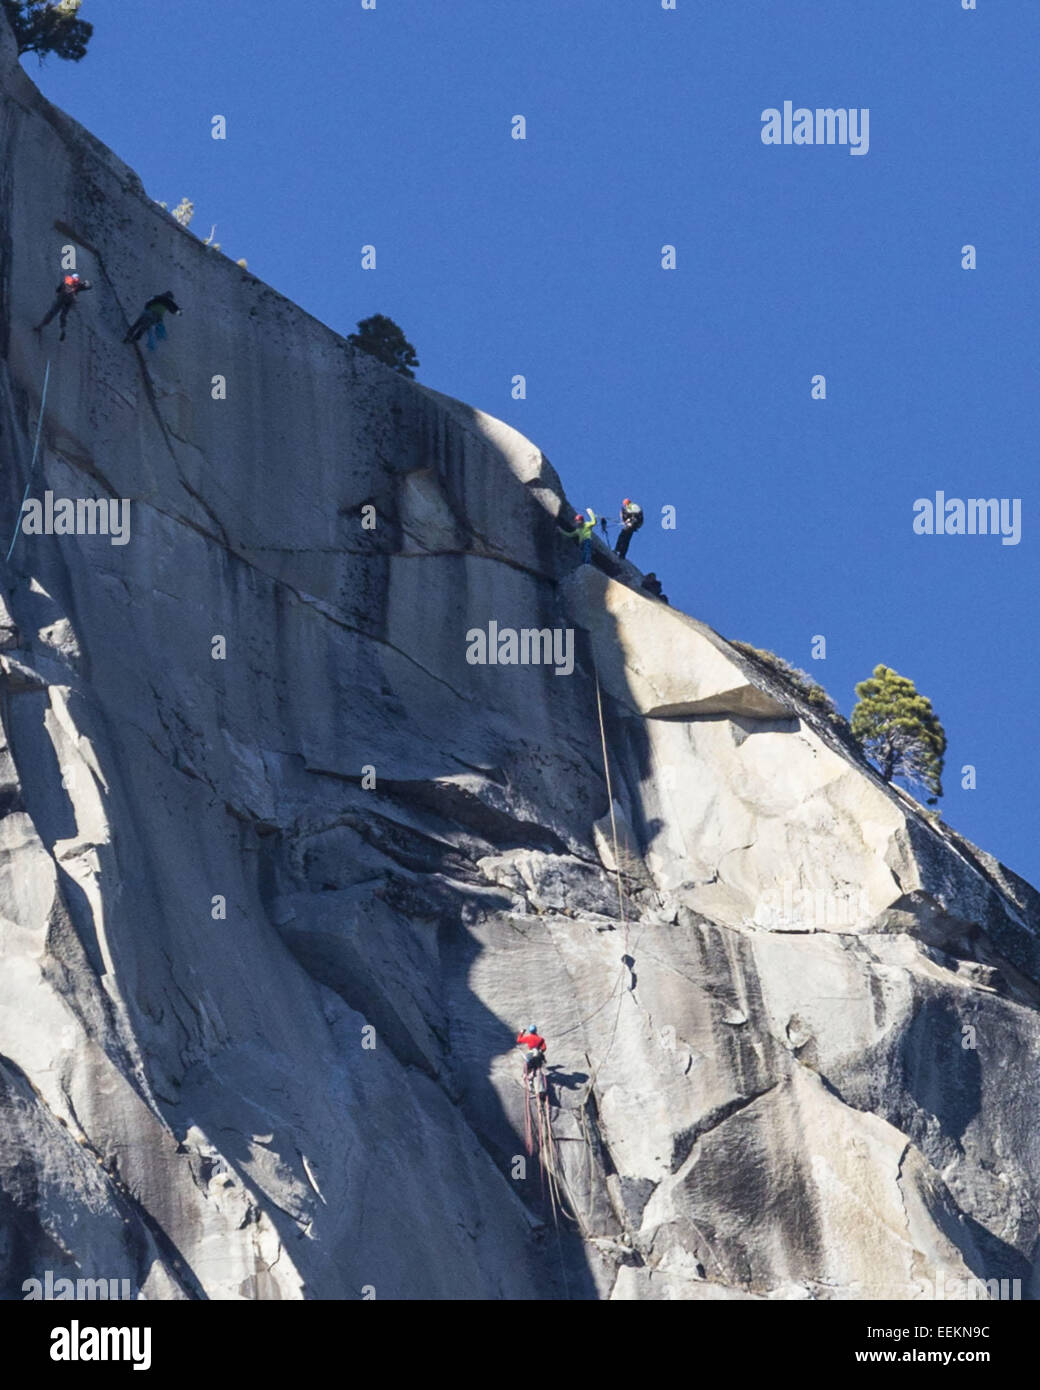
[{"x": 282, "y": 872}]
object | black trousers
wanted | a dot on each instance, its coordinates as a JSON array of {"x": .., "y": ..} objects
[
  {"x": 145, "y": 320},
  {"x": 624, "y": 540},
  {"x": 61, "y": 306}
]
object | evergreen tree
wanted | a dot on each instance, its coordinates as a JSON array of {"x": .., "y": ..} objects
[
  {"x": 899, "y": 731},
  {"x": 382, "y": 338},
  {"x": 49, "y": 26}
]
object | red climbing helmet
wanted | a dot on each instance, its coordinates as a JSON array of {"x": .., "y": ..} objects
[
  {"x": 626, "y": 501},
  {"x": 71, "y": 280},
  {"x": 579, "y": 517}
]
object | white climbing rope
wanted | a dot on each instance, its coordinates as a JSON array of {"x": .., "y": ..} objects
[{"x": 32, "y": 465}]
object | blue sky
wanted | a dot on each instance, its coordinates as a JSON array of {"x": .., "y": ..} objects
[{"x": 691, "y": 387}]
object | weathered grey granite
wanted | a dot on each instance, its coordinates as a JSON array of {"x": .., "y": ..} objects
[{"x": 803, "y": 1065}]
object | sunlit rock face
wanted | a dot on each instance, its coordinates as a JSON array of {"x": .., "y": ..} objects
[{"x": 288, "y": 855}]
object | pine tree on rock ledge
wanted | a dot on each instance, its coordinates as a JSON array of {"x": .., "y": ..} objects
[
  {"x": 381, "y": 338},
  {"x": 898, "y": 730},
  {"x": 49, "y": 26}
]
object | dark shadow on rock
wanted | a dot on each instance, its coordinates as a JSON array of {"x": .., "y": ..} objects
[
  {"x": 49, "y": 805},
  {"x": 996, "y": 1260},
  {"x": 564, "y": 1263},
  {"x": 941, "y": 1076},
  {"x": 32, "y": 1181},
  {"x": 566, "y": 1080}
]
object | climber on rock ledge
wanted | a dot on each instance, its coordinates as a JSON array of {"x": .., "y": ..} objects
[{"x": 582, "y": 533}]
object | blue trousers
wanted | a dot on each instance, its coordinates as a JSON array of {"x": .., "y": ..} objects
[{"x": 586, "y": 551}]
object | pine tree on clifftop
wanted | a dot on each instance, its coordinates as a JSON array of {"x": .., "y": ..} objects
[
  {"x": 898, "y": 730},
  {"x": 381, "y": 338},
  {"x": 49, "y": 26}
]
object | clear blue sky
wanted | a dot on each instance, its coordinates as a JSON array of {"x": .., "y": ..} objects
[{"x": 688, "y": 387}]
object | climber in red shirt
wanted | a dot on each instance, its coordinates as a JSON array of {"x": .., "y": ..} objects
[{"x": 530, "y": 1038}]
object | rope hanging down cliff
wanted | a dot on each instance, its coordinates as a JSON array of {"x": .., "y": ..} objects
[
  {"x": 620, "y": 890},
  {"x": 610, "y": 799},
  {"x": 32, "y": 465},
  {"x": 626, "y": 959},
  {"x": 621, "y": 896}
]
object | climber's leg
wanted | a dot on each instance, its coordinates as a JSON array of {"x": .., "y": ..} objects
[{"x": 54, "y": 309}]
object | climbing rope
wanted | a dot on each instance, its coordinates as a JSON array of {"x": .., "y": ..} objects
[
  {"x": 588, "y": 1019},
  {"x": 541, "y": 1150},
  {"x": 551, "y": 1168},
  {"x": 550, "y": 1173},
  {"x": 550, "y": 1159},
  {"x": 621, "y": 906},
  {"x": 617, "y": 863},
  {"x": 32, "y": 465},
  {"x": 528, "y": 1140},
  {"x": 548, "y": 1154},
  {"x": 620, "y": 890},
  {"x": 610, "y": 798},
  {"x": 617, "y": 989}
]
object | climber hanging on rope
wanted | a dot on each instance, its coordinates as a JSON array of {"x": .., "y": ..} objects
[
  {"x": 534, "y": 1058},
  {"x": 582, "y": 533},
  {"x": 631, "y": 520},
  {"x": 150, "y": 320},
  {"x": 64, "y": 300}
]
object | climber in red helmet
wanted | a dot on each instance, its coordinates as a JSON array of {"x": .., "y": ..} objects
[
  {"x": 534, "y": 1058},
  {"x": 64, "y": 300},
  {"x": 582, "y": 533},
  {"x": 631, "y": 520}
]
